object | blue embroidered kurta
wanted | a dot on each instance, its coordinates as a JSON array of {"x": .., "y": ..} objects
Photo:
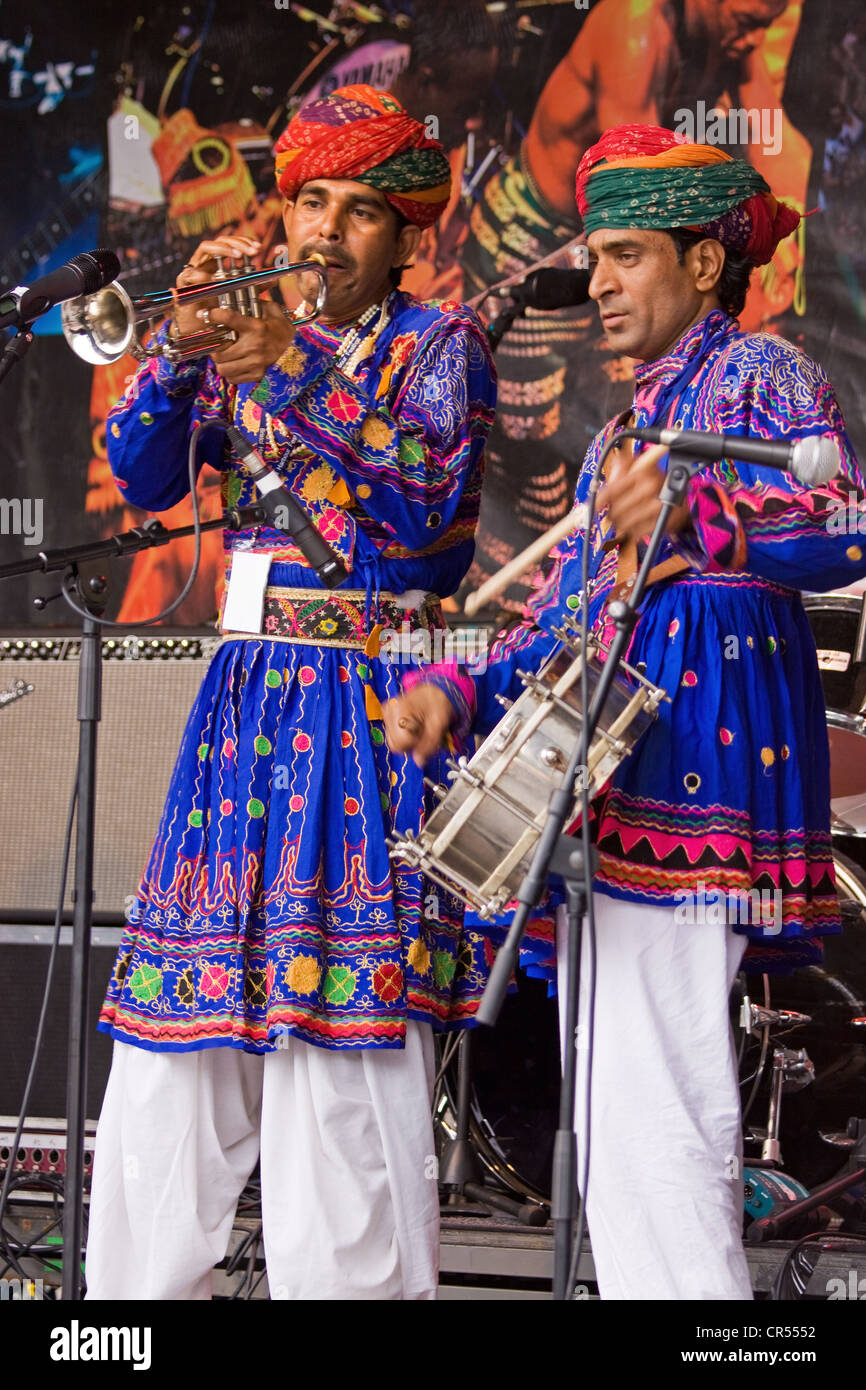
[
  {"x": 268, "y": 904},
  {"x": 725, "y": 802}
]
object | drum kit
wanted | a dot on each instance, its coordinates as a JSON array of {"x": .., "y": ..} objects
[{"x": 801, "y": 1040}]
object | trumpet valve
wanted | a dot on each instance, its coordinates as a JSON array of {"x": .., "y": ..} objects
[
  {"x": 253, "y": 303},
  {"x": 223, "y": 272}
]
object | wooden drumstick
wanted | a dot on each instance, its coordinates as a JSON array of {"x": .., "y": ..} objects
[{"x": 572, "y": 521}]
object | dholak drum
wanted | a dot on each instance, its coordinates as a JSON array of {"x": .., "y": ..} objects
[
  {"x": 479, "y": 840},
  {"x": 515, "y": 1067},
  {"x": 838, "y": 623}
]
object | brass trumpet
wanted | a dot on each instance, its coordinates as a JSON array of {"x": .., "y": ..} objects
[{"x": 101, "y": 327}]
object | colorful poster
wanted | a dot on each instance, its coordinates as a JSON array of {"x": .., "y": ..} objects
[{"x": 148, "y": 131}]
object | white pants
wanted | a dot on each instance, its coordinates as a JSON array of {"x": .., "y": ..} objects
[
  {"x": 665, "y": 1195},
  {"x": 350, "y": 1204}
]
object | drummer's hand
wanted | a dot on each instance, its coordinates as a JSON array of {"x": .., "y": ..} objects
[
  {"x": 261, "y": 342},
  {"x": 200, "y": 270},
  {"x": 418, "y": 722},
  {"x": 631, "y": 495}
]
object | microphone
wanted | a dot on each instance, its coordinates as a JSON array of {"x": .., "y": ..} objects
[
  {"x": 812, "y": 461},
  {"x": 277, "y": 499},
  {"x": 549, "y": 288},
  {"x": 84, "y": 274}
]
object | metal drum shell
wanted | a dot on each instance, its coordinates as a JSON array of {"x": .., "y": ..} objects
[{"x": 505, "y": 787}]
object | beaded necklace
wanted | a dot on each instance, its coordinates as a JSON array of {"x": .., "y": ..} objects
[{"x": 358, "y": 344}]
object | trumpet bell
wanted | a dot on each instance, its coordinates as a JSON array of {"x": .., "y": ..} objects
[{"x": 100, "y": 327}]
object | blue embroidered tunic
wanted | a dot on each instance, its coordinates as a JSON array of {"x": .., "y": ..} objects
[
  {"x": 268, "y": 904},
  {"x": 728, "y": 793}
]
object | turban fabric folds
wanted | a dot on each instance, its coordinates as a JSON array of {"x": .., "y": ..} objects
[
  {"x": 645, "y": 176},
  {"x": 360, "y": 134}
]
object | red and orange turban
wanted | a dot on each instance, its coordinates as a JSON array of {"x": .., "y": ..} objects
[
  {"x": 645, "y": 176},
  {"x": 361, "y": 134}
]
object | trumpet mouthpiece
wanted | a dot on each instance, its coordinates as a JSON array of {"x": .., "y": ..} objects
[{"x": 317, "y": 256}]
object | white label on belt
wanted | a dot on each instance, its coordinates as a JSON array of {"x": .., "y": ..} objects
[{"x": 245, "y": 599}]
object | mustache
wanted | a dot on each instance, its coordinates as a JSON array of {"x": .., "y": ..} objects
[{"x": 336, "y": 257}]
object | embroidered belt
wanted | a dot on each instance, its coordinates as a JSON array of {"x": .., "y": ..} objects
[{"x": 337, "y": 618}]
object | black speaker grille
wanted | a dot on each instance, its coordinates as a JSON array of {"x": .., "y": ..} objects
[{"x": 149, "y": 685}]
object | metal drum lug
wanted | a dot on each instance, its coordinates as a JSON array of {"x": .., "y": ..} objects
[
  {"x": 465, "y": 773},
  {"x": 552, "y": 757},
  {"x": 505, "y": 733}
]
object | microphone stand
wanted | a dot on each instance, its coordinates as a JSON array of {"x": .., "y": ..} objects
[
  {"x": 498, "y": 327},
  {"x": 15, "y": 350},
  {"x": 558, "y": 853},
  {"x": 92, "y": 595}
]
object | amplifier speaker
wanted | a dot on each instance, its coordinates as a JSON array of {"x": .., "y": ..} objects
[
  {"x": 149, "y": 684},
  {"x": 23, "y": 962}
]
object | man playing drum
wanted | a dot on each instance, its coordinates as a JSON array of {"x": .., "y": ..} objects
[
  {"x": 726, "y": 800},
  {"x": 274, "y": 993}
]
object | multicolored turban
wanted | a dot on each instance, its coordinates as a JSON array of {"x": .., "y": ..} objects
[
  {"x": 361, "y": 134},
  {"x": 645, "y": 176}
]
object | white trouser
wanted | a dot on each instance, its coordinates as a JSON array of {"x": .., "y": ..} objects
[
  {"x": 349, "y": 1196},
  {"x": 665, "y": 1195}
]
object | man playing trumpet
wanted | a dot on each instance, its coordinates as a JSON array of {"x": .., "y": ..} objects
[{"x": 274, "y": 993}]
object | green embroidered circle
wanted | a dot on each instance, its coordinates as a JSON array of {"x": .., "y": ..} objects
[
  {"x": 340, "y": 984},
  {"x": 146, "y": 983},
  {"x": 444, "y": 966},
  {"x": 255, "y": 808}
]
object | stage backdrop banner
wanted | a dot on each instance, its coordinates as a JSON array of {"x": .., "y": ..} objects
[{"x": 92, "y": 98}]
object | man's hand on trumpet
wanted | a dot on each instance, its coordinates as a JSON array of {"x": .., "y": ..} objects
[
  {"x": 260, "y": 341},
  {"x": 201, "y": 268}
]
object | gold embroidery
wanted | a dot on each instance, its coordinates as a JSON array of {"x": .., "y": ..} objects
[
  {"x": 303, "y": 975},
  {"x": 377, "y": 433},
  {"x": 419, "y": 957},
  {"x": 317, "y": 484},
  {"x": 293, "y": 361}
]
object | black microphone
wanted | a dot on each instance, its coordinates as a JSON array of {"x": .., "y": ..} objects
[
  {"x": 549, "y": 288},
  {"x": 813, "y": 460},
  {"x": 277, "y": 499},
  {"x": 84, "y": 274}
]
